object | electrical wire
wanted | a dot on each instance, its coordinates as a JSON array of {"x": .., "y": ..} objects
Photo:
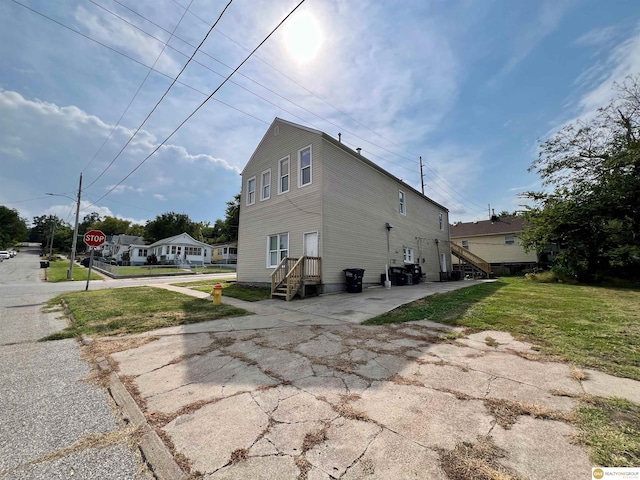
[
  {"x": 164, "y": 46},
  {"x": 204, "y": 102},
  {"x": 166, "y": 91}
]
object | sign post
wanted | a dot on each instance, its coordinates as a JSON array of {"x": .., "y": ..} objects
[{"x": 93, "y": 239}]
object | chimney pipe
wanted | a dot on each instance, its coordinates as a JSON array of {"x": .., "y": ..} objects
[
  {"x": 359, "y": 150},
  {"x": 340, "y": 137}
]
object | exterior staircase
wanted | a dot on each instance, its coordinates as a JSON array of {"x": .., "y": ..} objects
[
  {"x": 292, "y": 276},
  {"x": 471, "y": 263}
]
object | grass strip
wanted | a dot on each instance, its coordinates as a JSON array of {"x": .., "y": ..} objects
[
  {"x": 135, "y": 310},
  {"x": 230, "y": 289},
  {"x": 57, "y": 272}
]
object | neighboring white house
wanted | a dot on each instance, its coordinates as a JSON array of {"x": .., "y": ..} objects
[
  {"x": 306, "y": 193},
  {"x": 180, "y": 249},
  {"x": 119, "y": 244},
  {"x": 138, "y": 254}
]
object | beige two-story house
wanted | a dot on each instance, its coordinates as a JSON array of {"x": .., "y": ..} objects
[
  {"x": 496, "y": 242},
  {"x": 306, "y": 194}
]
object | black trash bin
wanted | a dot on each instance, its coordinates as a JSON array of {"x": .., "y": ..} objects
[
  {"x": 353, "y": 279},
  {"x": 397, "y": 275},
  {"x": 44, "y": 264}
]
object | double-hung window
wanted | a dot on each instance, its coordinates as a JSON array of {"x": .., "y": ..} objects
[
  {"x": 441, "y": 221},
  {"x": 283, "y": 175},
  {"x": 277, "y": 249},
  {"x": 403, "y": 202},
  {"x": 304, "y": 161},
  {"x": 266, "y": 185},
  {"x": 407, "y": 253},
  {"x": 465, "y": 244},
  {"x": 251, "y": 191},
  {"x": 509, "y": 240}
]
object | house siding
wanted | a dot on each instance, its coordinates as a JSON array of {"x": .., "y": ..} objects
[
  {"x": 296, "y": 212},
  {"x": 492, "y": 249},
  {"x": 358, "y": 202}
]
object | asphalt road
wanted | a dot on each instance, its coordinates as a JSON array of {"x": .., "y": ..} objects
[{"x": 46, "y": 406}]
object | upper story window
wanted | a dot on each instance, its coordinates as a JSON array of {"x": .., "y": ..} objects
[
  {"x": 509, "y": 240},
  {"x": 304, "y": 160},
  {"x": 251, "y": 191},
  {"x": 465, "y": 244},
  {"x": 283, "y": 175},
  {"x": 403, "y": 202},
  {"x": 441, "y": 220},
  {"x": 266, "y": 185}
]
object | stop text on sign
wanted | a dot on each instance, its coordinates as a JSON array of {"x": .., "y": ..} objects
[{"x": 94, "y": 238}]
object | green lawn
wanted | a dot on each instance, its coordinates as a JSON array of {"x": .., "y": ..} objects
[
  {"x": 230, "y": 289},
  {"x": 134, "y": 310},
  {"x": 57, "y": 272},
  {"x": 158, "y": 270}
]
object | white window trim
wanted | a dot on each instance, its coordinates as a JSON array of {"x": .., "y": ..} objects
[
  {"x": 441, "y": 221},
  {"x": 405, "y": 251},
  {"x": 465, "y": 244},
  {"x": 300, "y": 185},
  {"x": 262, "y": 185},
  {"x": 402, "y": 208},
  {"x": 513, "y": 239},
  {"x": 288, "y": 159},
  {"x": 278, "y": 250},
  {"x": 255, "y": 183}
]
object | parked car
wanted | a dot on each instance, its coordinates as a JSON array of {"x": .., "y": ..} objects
[
  {"x": 85, "y": 262},
  {"x": 4, "y": 254}
]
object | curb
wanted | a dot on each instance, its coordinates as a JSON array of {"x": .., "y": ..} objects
[{"x": 158, "y": 457}]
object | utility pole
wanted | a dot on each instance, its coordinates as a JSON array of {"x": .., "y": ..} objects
[
  {"x": 53, "y": 231},
  {"x": 75, "y": 233},
  {"x": 421, "y": 175}
]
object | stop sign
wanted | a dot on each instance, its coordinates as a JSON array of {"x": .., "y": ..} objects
[{"x": 94, "y": 238}]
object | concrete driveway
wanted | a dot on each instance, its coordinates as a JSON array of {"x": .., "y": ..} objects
[{"x": 302, "y": 391}]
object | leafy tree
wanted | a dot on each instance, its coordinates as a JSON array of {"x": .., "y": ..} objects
[
  {"x": 112, "y": 225},
  {"x": 135, "y": 229},
  {"x": 226, "y": 230},
  {"x": 12, "y": 228},
  {"x": 88, "y": 222},
  {"x": 593, "y": 209},
  {"x": 167, "y": 225}
]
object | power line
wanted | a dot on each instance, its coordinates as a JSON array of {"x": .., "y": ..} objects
[
  {"x": 166, "y": 91},
  {"x": 205, "y": 101},
  {"x": 132, "y": 99}
]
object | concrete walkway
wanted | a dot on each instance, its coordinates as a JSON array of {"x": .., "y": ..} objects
[{"x": 300, "y": 390}]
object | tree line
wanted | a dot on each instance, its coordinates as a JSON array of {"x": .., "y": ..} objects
[{"x": 52, "y": 230}]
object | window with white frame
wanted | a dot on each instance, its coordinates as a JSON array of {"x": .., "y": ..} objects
[
  {"x": 304, "y": 160},
  {"x": 465, "y": 244},
  {"x": 403, "y": 202},
  {"x": 407, "y": 253},
  {"x": 441, "y": 220},
  {"x": 266, "y": 185},
  {"x": 251, "y": 191},
  {"x": 142, "y": 252},
  {"x": 277, "y": 249},
  {"x": 509, "y": 240},
  {"x": 283, "y": 175}
]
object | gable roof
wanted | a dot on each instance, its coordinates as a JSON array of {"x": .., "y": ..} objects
[
  {"x": 127, "y": 239},
  {"x": 353, "y": 153},
  {"x": 487, "y": 227},
  {"x": 177, "y": 238}
]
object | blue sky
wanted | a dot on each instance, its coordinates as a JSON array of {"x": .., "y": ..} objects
[{"x": 471, "y": 86}]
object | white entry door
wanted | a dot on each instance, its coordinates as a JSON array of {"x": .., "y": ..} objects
[{"x": 311, "y": 244}]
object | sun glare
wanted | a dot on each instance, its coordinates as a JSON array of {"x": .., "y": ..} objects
[{"x": 303, "y": 37}]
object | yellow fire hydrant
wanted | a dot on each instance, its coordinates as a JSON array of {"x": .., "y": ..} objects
[{"x": 217, "y": 294}]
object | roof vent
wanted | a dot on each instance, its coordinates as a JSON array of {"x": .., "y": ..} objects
[
  {"x": 340, "y": 137},
  {"x": 359, "y": 150}
]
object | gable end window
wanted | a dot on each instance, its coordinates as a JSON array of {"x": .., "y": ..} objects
[
  {"x": 509, "y": 240},
  {"x": 465, "y": 244},
  {"x": 266, "y": 185},
  {"x": 277, "y": 249},
  {"x": 251, "y": 191},
  {"x": 283, "y": 175},
  {"x": 441, "y": 221},
  {"x": 304, "y": 161},
  {"x": 403, "y": 202}
]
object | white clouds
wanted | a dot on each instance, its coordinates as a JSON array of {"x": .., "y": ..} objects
[{"x": 159, "y": 196}]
